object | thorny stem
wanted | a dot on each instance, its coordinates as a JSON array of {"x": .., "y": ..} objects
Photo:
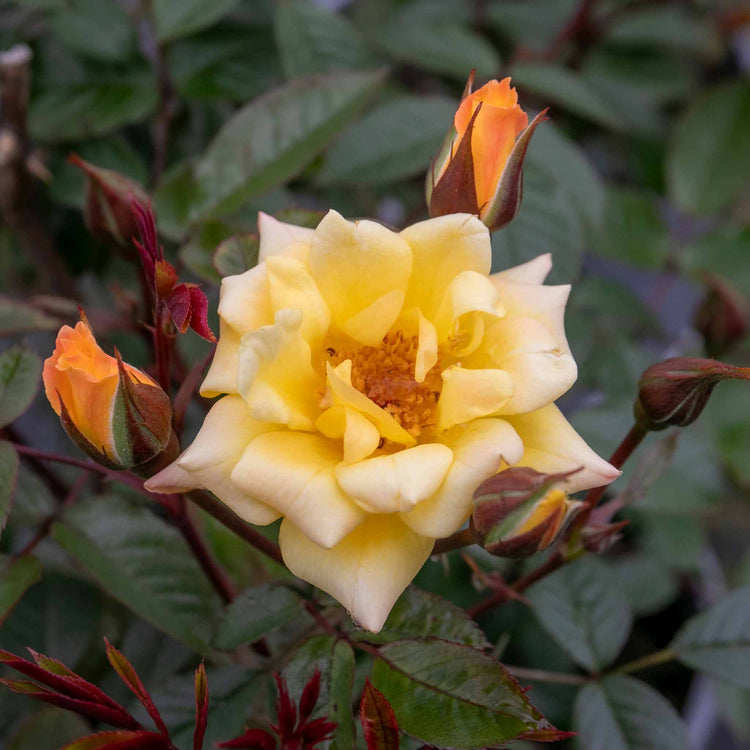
[
  {"x": 651, "y": 660},
  {"x": 162, "y": 346},
  {"x": 187, "y": 390}
]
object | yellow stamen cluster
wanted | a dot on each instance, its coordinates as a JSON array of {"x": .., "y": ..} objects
[{"x": 385, "y": 374}]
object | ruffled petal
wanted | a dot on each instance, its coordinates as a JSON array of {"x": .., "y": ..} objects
[
  {"x": 525, "y": 349},
  {"x": 245, "y": 302},
  {"x": 360, "y": 436},
  {"x": 292, "y": 287},
  {"x": 543, "y": 303},
  {"x": 226, "y": 432},
  {"x": 479, "y": 449},
  {"x": 279, "y": 238},
  {"x": 222, "y": 374},
  {"x": 367, "y": 571},
  {"x": 471, "y": 394},
  {"x": 370, "y": 325},
  {"x": 355, "y": 264},
  {"x": 397, "y": 481},
  {"x": 343, "y": 393},
  {"x": 294, "y": 473},
  {"x": 172, "y": 479},
  {"x": 275, "y": 374},
  {"x": 551, "y": 445},
  {"x": 444, "y": 247},
  {"x": 534, "y": 271}
]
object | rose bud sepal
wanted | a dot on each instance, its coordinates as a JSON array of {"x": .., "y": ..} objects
[
  {"x": 520, "y": 512},
  {"x": 673, "y": 393}
]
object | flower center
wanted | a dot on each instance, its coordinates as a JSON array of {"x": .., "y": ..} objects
[{"x": 385, "y": 374}]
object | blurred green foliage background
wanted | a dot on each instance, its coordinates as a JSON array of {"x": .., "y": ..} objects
[{"x": 638, "y": 186}]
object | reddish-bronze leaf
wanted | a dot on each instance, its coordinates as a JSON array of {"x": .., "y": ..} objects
[
  {"x": 309, "y": 697},
  {"x": 199, "y": 314},
  {"x": 378, "y": 720},
  {"x": 253, "y": 739},
  {"x": 128, "y": 675},
  {"x": 201, "y": 707},
  {"x": 139, "y": 740}
]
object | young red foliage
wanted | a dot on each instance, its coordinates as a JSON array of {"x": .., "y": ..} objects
[{"x": 378, "y": 720}]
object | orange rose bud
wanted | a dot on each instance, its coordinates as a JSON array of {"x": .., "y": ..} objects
[
  {"x": 107, "y": 211},
  {"x": 675, "y": 391},
  {"x": 519, "y": 512},
  {"x": 115, "y": 413},
  {"x": 479, "y": 168}
]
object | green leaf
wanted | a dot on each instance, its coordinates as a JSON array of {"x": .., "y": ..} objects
[
  {"x": 419, "y": 613},
  {"x": 734, "y": 705},
  {"x": 15, "y": 578},
  {"x": 255, "y": 613},
  {"x": 402, "y": 137},
  {"x": 709, "y": 157},
  {"x": 622, "y": 713},
  {"x": 584, "y": 610},
  {"x": 273, "y": 138},
  {"x": 442, "y": 47},
  {"x": 547, "y": 222},
  {"x": 173, "y": 197},
  {"x": 532, "y": 24},
  {"x": 236, "y": 254},
  {"x": 50, "y": 727},
  {"x": 178, "y": 18},
  {"x": 567, "y": 89},
  {"x": 144, "y": 563},
  {"x": 648, "y": 583},
  {"x": 93, "y": 28},
  {"x": 340, "y": 696},
  {"x": 633, "y": 230},
  {"x": 81, "y": 111},
  {"x": 20, "y": 371},
  {"x": 8, "y": 479},
  {"x": 717, "y": 641},
  {"x": 451, "y": 695},
  {"x": 723, "y": 252},
  {"x": 17, "y": 316},
  {"x": 312, "y": 39}
]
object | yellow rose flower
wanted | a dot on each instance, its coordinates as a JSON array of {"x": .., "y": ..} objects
[{"x": 373, "y": 380}]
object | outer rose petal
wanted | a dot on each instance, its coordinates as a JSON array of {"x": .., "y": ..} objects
[
  {"x": 357, "y": 263},
  {"x": 539, "y": 370},
  {"x": 222, "y": 375},
  {"x": 294, "y": 472},
  {"x": 227, "y": 430},
  {"x": 245, "y": 302},
  {"x": 534, "y": 271},
  {"x": 551, "y": 445},
  {"x": 279, "y": 238},
  {"x": 471, "y": 394},
  {"x": 544, "y": 303},
  {"x": 444, "y": 247},
  {"x": 275, "y": 375},
  {"x": 367, "y": 571},
  {"x": 396, "y": 481},
  {"x": 479, "y": 448}
]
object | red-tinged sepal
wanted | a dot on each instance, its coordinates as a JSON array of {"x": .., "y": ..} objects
[
  {"x": 598, "y": 538},
  {"x": 378, "y": 720},
  {"x": 506, "y": 202},
  {"x": 454, "y": 190},
  {"x": 723, "y": 318},
  {"x": 252, "y": 739},
  {"x": 138, "y": 740},
  {"x": 107, "y": 210},
  {"x": 148, "y": 248},
  {"x": 201, "y": 707},
  {"x": 141, "y": 421},
  {"x": 129, "y": 676}
]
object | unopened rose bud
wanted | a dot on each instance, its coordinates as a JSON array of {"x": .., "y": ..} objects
[
  {"x": 519, "y": 512},
  {"x": 107, "y": 211},
  {"x": 112, "y": 411},
  {"x": 722, "y": 317},
  {"x": 674, "y": 392},
  {"x": 479, "y": 168}
]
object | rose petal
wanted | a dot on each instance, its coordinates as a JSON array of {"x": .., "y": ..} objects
[
  {"x": 245, "y": 302},
  {"x": 471, "y": 394},
  {"x": 222, "y": 374},
  {"x": 294, "y": 473},
  {"x": 367, "y": 571},
  {"x": 479, "y": 449},
  {"x": 534, "y": 271},
  {"x": 279, "y": 238},
  {"x": 361, "y": 437},
  {"x": 397, "y": 481}
]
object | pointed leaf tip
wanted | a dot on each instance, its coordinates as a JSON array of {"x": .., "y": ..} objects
[{"x": 378, "y": 720}]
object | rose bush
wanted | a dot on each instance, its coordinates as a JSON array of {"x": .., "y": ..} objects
[{"x": 372, "y": 381}]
